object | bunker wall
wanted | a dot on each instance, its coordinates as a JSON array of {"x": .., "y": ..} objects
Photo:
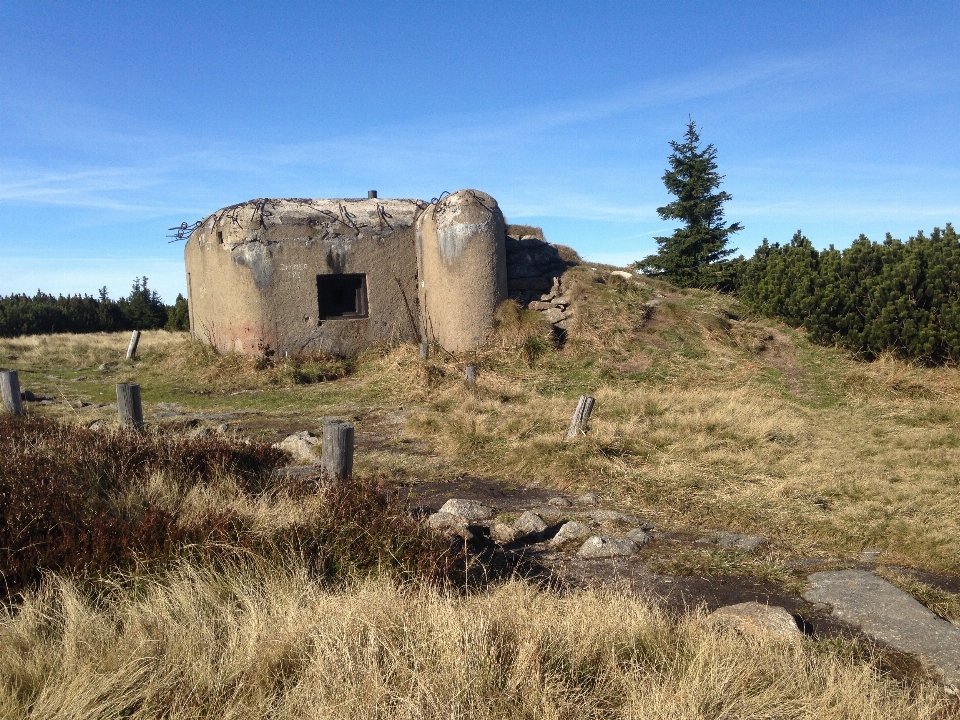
[{"x": 462, "y": 266}]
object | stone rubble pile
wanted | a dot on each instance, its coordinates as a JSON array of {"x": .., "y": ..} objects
[
  {"x": 561, "y": 524},
  {"x": 534, "y": 268}
]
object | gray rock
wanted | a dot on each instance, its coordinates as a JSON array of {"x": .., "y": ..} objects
[
  {"x": 97, "y": 425},
  {"x": 735, "y": 541},
  {"x": 757, "y": 619},
  {"x": 559, "y": 502},
  {"x": 470, "y": 510},
  {"x": 223, "y": 428},
  {"x": 551, "y": 513},
  {"x": 639, "y": 536},
  {"x": 570, "y": 532},
  {"x": 529, "y": 525},
  {"x": 614, "y": 516},
  {"x": 888, "y": 614},
  {"x": 502, "y": 534},
  {"x": 539, "y": 305},
  {"x": 607, "y": 547},
  {"x": 302, "y": 446},
  {"x": 588, "y": 499},
  {"x": 555, "y": 315},
  {"x": 450, "y": 524}
]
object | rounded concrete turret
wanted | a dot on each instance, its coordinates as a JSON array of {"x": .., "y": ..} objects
[{"x": 462, "y": 268}]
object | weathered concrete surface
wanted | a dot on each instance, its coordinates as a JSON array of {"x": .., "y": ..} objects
[
  {"x": 461, "y": 261},
  {"x": 253, "y": 269},
  {"x": 888, "y": 614}
]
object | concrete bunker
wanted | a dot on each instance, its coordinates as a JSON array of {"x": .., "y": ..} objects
[{"x": 339, "y": 275}]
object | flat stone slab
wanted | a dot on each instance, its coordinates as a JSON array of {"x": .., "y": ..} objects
[{"x": 888, "y": 614}]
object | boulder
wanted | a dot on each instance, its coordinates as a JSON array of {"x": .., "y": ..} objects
[
  {"x": 599, "y": 546},
  {"x": 450, "y": 525},
  {"x": 756, "y": 619},
  {"x": 736, "y": 541},
  {"x": 622, "y": 274},
  {"x": 550, "y": 513},
  {"x": 470, "y": 510},
  {"x": 639, "y": 536},
  {"x": 529, "y": 525},
  {"x": 302, "y": 446},
  {"x": 614, "y": 516},
  {"x": 571, "y": 531},
  {"x": 559, "y": 502},
  {"x": 502, "y": 534}
]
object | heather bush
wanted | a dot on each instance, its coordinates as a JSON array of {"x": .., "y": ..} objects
[{"x": 86, "y": 502}]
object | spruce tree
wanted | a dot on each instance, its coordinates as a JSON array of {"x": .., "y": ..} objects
[{"x": 685, "y": 256}]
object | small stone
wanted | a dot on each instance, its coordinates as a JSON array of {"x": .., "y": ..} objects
[
  {"x": 529, "y": 525},
  {"x": 450, "y": 525},
  {"x": 571, "y": 531},
  {"x": 735, "y": 541},
  {"x": 223, "y": 429},
  {"x": 502, "y": 533},
  {"x": 560, "y": 502},
  {"x": 302, "y": 446},
  {"x": 607, "y": 547},
  {"x": 106, "y": 367},
  {"x": 97, "y": 425},
  {"x": 639, "y": 536},
  {"x": 470, "y": 510},
  {"x": 586, "y": 499},
  {"x": 754, "y": 618}
]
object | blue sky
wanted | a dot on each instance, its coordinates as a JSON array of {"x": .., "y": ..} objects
[{"x": 121, "y": 119}]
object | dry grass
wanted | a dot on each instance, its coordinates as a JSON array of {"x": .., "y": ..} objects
[
  {"x": 266, "y": 642},
  {"x": 705, "y": 417}
]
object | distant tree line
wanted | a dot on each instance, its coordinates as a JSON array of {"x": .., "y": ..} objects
[
  {"x": 142, "y": 309},
  {"x": 894, "y": 296}
]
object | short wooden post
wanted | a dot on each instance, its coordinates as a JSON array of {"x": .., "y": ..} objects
[
  {"x": 424, "y": 351},
  {"x": 10, "y": 390},
  {"x": 129, "y": 408},
  {"x": 471, "y": 376},
  {"x": 336, "y": 451},
  {"x": 132, "y": 347},
  {"x": 578, "y": 423}
]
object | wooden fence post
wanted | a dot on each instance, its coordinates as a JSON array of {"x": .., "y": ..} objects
[
  {"x": 10, "y": 391},
  {"x": 336, "y": 451},
  {"x": 424, "y": 351},
  {"x": 471, "y": 375},
  {"x": 129, "y": 407},
  {"x": 578, "y": 423},
  {"x": 132, "y": 347}
]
